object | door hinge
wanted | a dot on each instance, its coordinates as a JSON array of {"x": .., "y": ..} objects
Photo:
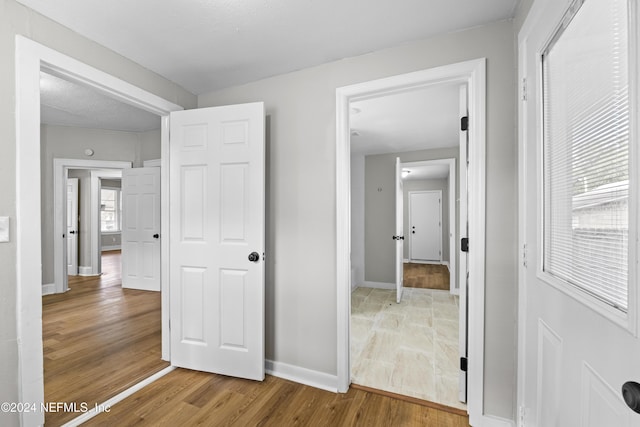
[
  {"x": 524, "y": 89},
  {"x": 464, "y": 244},
  {"x": 464, "y": 123},
  {"x": 524, "y": 255},
  {"x": 463, "y": 364}
]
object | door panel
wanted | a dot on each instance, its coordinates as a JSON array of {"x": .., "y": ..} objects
[
  {"x": 425, "y": 213},
  {"x": 217, "y": 221},
  {"x": 576, "y": 352},
  {"x": 141, "y": 228},
  {"x": 72, "y": 226},
  {"x": 399, "y": 238}
]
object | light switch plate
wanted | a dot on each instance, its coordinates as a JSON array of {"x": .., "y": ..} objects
[{"x": 4, "y": 229}]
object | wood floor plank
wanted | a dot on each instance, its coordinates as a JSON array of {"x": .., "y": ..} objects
[
  {"x": 426, "y": 276},
  {"x": 189, "y": 398},
  {"x": 98, "y": 339}
]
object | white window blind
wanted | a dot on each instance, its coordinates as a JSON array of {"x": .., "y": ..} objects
[{"x": 586, "y": 151}]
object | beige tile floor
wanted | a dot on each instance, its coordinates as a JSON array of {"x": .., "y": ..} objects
[{"x": 409, "y": 348}]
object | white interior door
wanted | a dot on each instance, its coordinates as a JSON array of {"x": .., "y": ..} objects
[
  {"x": 578, "y": 347},
  {"x": 425, "y": 225},
  {"x": 399, "y": 238},
  {"x": 141, "y": 228},
  {"x": 72, "y": 226},
  {"x": 463, "y": 339},
  {"x": 217, "y": 220}
]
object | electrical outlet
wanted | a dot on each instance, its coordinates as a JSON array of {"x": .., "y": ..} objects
[{"x": 4, "y": 229}]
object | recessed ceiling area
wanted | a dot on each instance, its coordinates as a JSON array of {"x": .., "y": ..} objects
[
  {"x": 205, "y": 45},
  {"x": 420, "y": 119},
  {"x": 63, "y": 103}
]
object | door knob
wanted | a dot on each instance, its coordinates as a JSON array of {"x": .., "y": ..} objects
[
  {"x": 72, "y": 232},
  {"x": 398, "y": 237},
  {"x": 156, "y": 236},
  {"x": 631, "y": 395},
  {"x": 254, "y": 257}
]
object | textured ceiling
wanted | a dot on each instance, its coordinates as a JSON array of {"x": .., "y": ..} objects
[
  {"x": 64, "y": 103},
  {"x": 205, "y": 45}
]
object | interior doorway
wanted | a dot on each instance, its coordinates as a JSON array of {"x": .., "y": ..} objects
[{"x": 472, "y": 74}]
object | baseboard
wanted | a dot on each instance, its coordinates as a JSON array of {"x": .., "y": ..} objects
[
  {"x": 417, "y": 261},
  {"x": 111, "y": 248},
  {"x": 302, "y": 375},
  {"x": 490, "y": 421},
  {"x": 48, "y": 289},
  {"x": 85, "y": 271},
  {"x": 377, "y": 285}
]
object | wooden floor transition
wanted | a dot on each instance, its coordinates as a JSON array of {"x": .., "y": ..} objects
[
  {"x": 99, "y": 339},
  {"x": 426, "y": 276},
  {"x": 189, "y": 398}
]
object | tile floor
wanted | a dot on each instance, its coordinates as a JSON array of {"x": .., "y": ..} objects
[{"x": 409, "y": 348}]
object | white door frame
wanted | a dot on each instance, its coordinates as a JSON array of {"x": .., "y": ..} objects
[
  {"x": 31, "y": 58},
  {"x": 453, "y": 238},
  {"x": 409, "y": 203},
  {"x": 472, "y": 73},
  {"x": 60, "y": 170}
]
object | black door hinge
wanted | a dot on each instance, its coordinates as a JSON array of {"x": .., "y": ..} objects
[
  {"x": 464, "y": 244},
  {"x": 463, "y": 364},
  {"x": 464, "y": 123}
]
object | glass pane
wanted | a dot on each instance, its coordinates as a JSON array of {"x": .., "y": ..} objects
[{"x": 586, "y": 152}]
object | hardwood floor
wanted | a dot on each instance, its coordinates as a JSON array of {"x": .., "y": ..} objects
[
  {"x": 99, "y": 339},
  {"x": 427, "y": 276},
  {"x": 189, "y": 398}
]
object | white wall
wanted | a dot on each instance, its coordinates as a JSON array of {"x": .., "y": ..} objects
[
  {"x": 380, "y": 209},
  {"x": 357, "y": 220},
  {"x": 18, "y": 19},
  {"x": 69, "y": 143},
  {"x": 301, "y": 199}
]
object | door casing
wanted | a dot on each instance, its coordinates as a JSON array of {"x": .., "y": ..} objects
[
  {"x": 31, "y": 58},
  {"x": 472, "y": 73}
]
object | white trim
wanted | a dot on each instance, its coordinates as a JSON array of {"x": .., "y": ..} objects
[
  {"x": 152, "y": 163},
  {"x": 49, "y": 289},
  {"x": 60, "y": 172},
  {"x": 110, "y": 248},
  {"x": 377, "y": 285},
  {"x": 85, "y": 271},
  {"x": 474, "y": 75},
  {"x": 105, "y": 406},
  {"x": 31, "y": 58},
  {"x": 420, "y": 261},
  {"x": 493, "y": 421},
  {"x": 302, "y": 375}
]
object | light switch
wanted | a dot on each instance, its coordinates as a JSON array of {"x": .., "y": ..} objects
[{"x": 4, "y": 229}]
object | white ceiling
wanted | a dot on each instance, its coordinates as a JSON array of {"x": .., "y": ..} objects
[
  {"x": 425, "y": 172},
  {"x": 64, "y": 103},
  {"x": 204, "y": 45},
  {"x": 420, "y": 119}
]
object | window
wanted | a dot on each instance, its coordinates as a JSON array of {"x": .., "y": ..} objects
[
  {"x": 110, "y": 209},
  {"x": 586, "y": 151}
]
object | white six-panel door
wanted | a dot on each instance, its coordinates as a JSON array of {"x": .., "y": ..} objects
[
  {"x": 425, "y": 225},
  {"x": 141, "y": 228},
  {"x": 217, "y": 240},
  {"x": 72, "y": 226}
]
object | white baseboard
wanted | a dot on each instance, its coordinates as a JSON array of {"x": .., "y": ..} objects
[
  {"x": 419, "y": 261},
  {"x": 302, "y": 375},
  {"x": 491, "y": 421},
  {"x": 48, "y": 289},
  {"x": 111, "y": 248},
  {"x": 377, "y": 285},
  {"x": 85, "y": 271}
]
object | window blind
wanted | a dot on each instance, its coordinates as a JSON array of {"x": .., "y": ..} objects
[{"x": 586, "y": 151}]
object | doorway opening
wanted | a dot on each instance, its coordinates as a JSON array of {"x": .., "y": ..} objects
[
  {"x": 471, "y": 74},
  {"x": 31, "y": 59}
]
